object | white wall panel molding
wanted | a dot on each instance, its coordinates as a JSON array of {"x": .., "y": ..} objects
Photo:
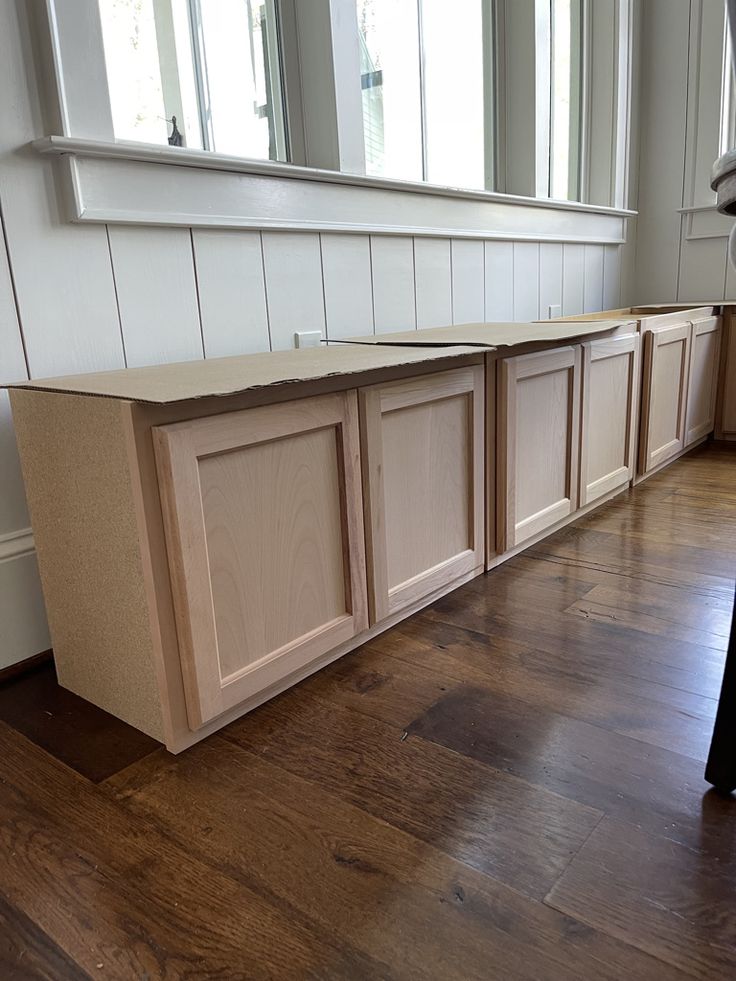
[
  {"x": 15, "y": 544},
  {"x": 433, "y": 279},
  {"x": 151, "y": 186},
  {"x": 705, "y": 222}
]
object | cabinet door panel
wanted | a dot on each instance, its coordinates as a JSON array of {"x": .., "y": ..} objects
[
  {"x": 664, "y": 394},
  {"x": 263, "y": 518},
  {"x": 705, "y": 349},
  {"x": 609, "y": 415},
  {"x": 539, "y": 424},
  {"x": 423, "y": 484}
]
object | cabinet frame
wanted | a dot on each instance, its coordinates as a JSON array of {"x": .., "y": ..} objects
[
  {"x": 375, "y": 401},
  {"x": 655, "y": 339},
  {"x": 178, "y": 448},
  {"x": 599, "y": 350},
  {"x": 510, "y": 371}
]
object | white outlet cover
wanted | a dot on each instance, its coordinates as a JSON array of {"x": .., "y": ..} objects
[
  {"x": 555, "y": 310},
  {"x": 307, "y": 338}
]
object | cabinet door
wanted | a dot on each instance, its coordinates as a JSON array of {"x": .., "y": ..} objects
[
  {"x": 727, "y": 420},
  {"x": 263, "y": 517},
  {"x": 539, "y": 435},
  {"x": 609, "y": 415},
  {"x": 664, "y": 394},
  {"x": 423, "y": 483},
  {"x": 705, "y": 349}
]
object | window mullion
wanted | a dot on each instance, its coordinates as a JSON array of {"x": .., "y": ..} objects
[{"x": 422, "y": 93}]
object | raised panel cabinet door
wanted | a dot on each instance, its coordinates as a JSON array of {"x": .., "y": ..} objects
[
  {"x": 702, "y": 387},
  {"x": 664, "y": 394},
  {"x": 423, "y": 484},
  {"x": 538, "y": 444},
  {"x": 610, "y": 407},
  {"x": 727, "y": 411},
  {"x": 264, "y": 531}
]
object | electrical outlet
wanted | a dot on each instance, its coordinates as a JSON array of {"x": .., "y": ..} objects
[
  {"x": 555, "y": 310},
  {"x": 307, "y": 338}
]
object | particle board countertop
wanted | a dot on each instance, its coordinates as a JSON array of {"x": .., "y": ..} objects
[{"x": 220, "y": 377}]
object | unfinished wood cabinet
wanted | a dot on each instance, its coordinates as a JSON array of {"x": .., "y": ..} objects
[
  {"x": 263, "y": 518},
  {"x": 538, "y": 442},
  {"x": 610, "y": 403},
  {"x": 664, "y": 394},
  {"x": 705, "y": 349},
  {"x": 726, "y": 421},
  {"x": 423, "y": 484}
]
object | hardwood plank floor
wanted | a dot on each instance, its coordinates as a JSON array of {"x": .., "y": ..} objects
[{"x": 508, "y": 785}]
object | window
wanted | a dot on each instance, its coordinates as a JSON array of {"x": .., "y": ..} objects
[
  {"x": 424, "y": 81},
  {"x": 196, "y": 73},
  {"x": 566, "y": 50},
  {"x": 728, "y": 100}
]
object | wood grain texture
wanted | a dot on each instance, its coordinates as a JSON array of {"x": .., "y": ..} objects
[
  {"x": 263, "y": 516},
  {"x": 497, "y": 776},
  {"x": 423, "y": 459},
  {"x": 539, "y": 406},
  {"x": 664, "y": 393}
]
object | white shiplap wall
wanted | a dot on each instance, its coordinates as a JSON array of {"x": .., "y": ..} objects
[{"x": 92, "y": 297}]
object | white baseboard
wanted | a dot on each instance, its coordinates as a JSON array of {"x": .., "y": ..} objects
[{"x": 23, "y": 628}]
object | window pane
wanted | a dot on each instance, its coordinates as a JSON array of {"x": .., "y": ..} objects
[
  {"x": 452, "y": 35},
  {"x": 133, "y": 72},
  {"x": 212, "y": 64},
  {"x": 390, "y": 79},
  {"x": 234, "y": 35},
  {"x": 566, "y": 71}
]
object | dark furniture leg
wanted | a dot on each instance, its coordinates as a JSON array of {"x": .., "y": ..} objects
[{"x": 721, "y": 767}]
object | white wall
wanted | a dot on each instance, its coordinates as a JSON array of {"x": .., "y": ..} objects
[
  {"x": 77, "y": 297},
  {"x": 681, "y": 240}
]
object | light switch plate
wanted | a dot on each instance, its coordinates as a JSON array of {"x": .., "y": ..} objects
[
  {"x": 555, "y": 310},
  {"x": 307, "y": 338}
]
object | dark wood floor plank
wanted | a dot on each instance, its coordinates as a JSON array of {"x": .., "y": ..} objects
[
  {"x": 76, "y": 732},
  {"x": 652, "y": 788},
  {"x": 384, "y": 891},
  {"x": 112, "y": 891},
  {"x": 671, "y": 901},
  {"x": 490, "y": 820},
  {"x": 27, "y": 954}
]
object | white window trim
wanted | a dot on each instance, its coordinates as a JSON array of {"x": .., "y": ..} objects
[{"x": 103, "y": 177}]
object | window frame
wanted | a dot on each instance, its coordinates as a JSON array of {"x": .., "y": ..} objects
[{"x": 322, "y": 98}]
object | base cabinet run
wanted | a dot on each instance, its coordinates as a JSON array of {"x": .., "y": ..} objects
[
  {"x": 538, "y": 442},
  {"x": 263, "y": 519},
  {"x": 423, "y": 478}
]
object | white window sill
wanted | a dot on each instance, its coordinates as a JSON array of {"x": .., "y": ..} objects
[{"x": 140, "y": 183}]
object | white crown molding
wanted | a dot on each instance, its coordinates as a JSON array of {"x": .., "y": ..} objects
[{"x": 16, "y": 544}]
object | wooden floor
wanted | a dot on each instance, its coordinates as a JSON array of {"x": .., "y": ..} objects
[{"x": 509, "y": 785}]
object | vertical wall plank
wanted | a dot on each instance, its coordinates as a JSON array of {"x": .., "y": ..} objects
[
  {"x": 573, "y": 275},
  {"x": 526, "y": 281},
  {"x": 550, "y": 278},
  {"x": 499, "y": 273},
  {"x": 346, "y": 265},
  {"x": 232, "y": 294},
  {"x": 393, "y": 283},
  {"x": 703, "y": 265},
  {"x": 13, "y": 511},
  {"x": 612, "y": 276},
  {"x": 62, "y": 272},
  {"x": 157, "y": 294},
  {"x": 293, "y": 266},
  {"x": 433, "y": 278},
  {"x": 593, "y": 279},
  {"x": 468, "y": 281}
]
